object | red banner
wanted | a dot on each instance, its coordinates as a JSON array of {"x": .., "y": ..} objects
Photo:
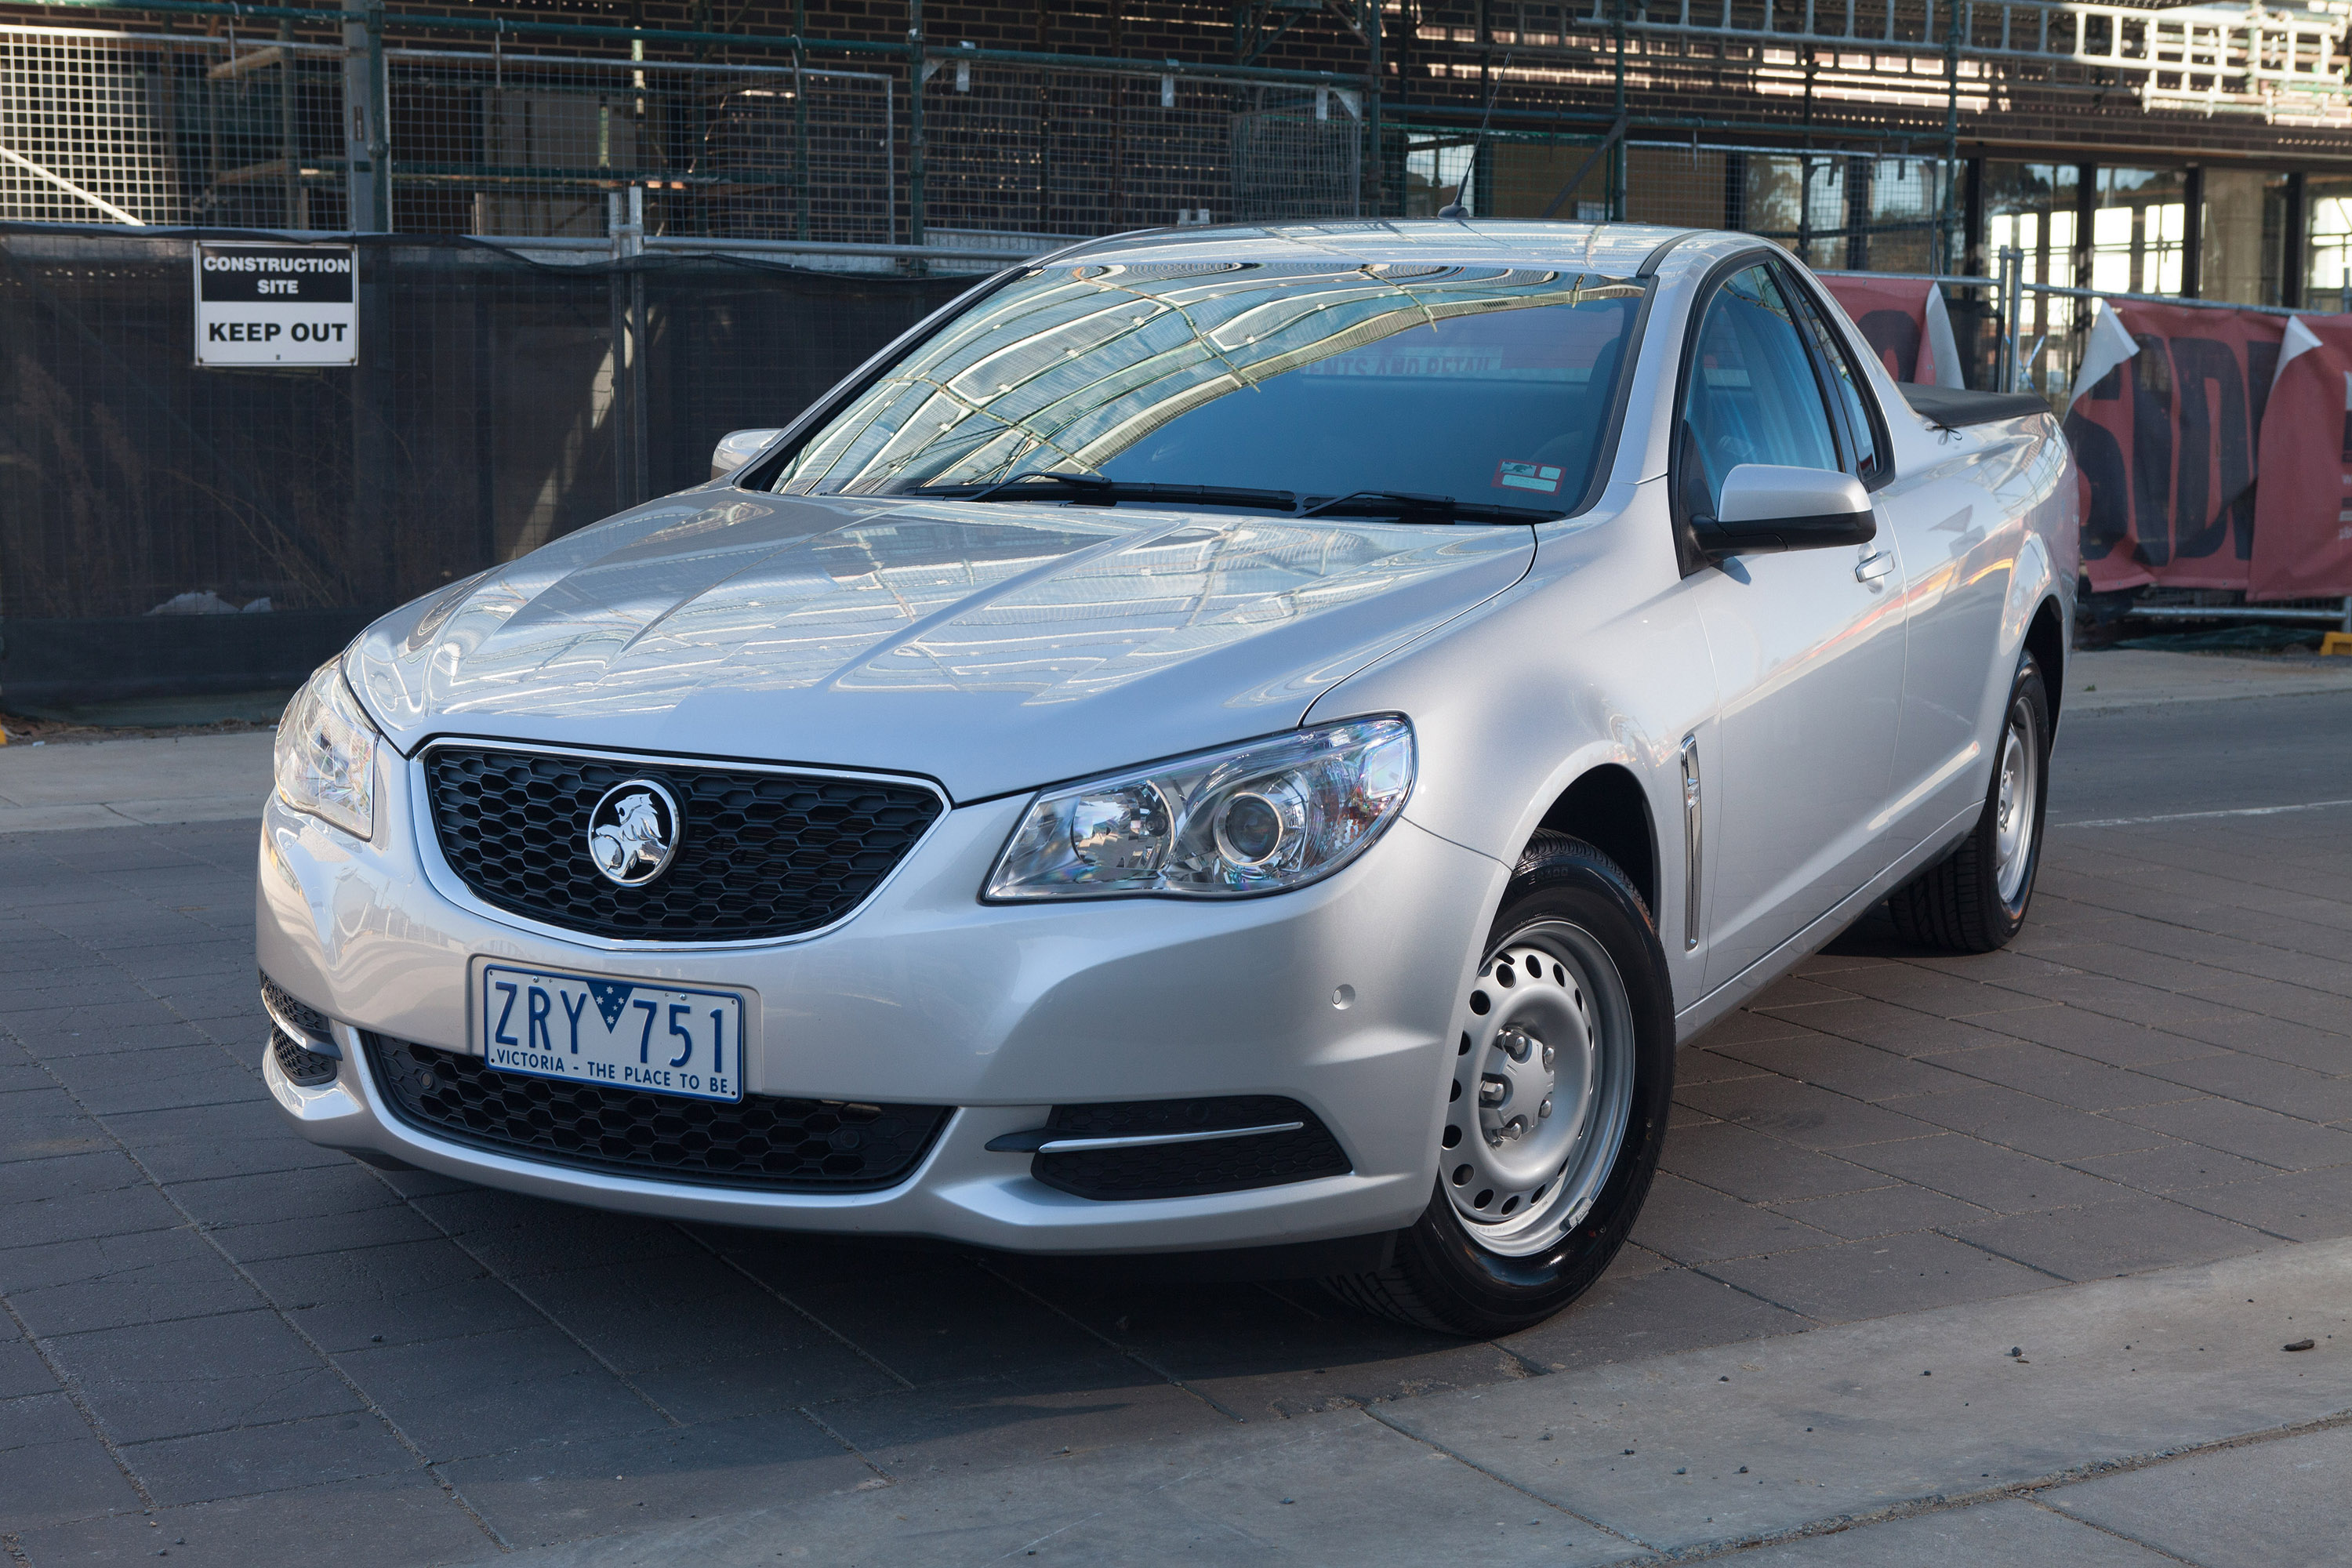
[
  {"x": 2167, "y": 441},
  {"x": 2303, "y": 508},
  {"x": 1904, "y": 320}
]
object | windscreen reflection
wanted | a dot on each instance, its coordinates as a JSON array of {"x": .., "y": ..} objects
[{"x": 1490, "y": 384}]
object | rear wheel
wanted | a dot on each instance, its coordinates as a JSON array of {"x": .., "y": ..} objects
[
  {"x": 1974, "y": 899},
  {"x": 1555, "y": 1110}
]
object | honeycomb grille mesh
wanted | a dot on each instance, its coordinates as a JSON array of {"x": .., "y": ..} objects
[
  {"x": 293, "y": 1012},
  {"x": 300, "y": 1066},
  {"x": 778, "y": 1146},
  {"x": 1187, "y": 1169},
  {"x": 760, "y": 854}
]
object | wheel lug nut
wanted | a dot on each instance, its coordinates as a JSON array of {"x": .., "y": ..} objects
[
  {"x": 1545, "y": 1108},
  {"x": 1548, "y": 1058},
  {"x": 1515, "y": 1128}
]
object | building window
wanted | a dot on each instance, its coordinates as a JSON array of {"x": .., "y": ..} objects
[
  {"x": 2138, "y": 231},
  {"x": 2034, "y": 209},
  {"x": 2327, "y": 273}
]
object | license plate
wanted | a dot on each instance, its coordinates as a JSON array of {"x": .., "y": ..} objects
[{"x": 624, "y": 1034}]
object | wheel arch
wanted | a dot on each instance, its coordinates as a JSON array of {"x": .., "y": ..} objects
[
  {"x": 2045, "y": 640},
  {"x": 1607, "y": 807}
]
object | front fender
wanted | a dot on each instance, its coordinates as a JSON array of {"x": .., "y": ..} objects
[{"x": 1591, "y": 659}]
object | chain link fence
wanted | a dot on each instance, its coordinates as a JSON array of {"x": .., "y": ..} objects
[
  {"x": 526, "y": 139},
  {"x": 163, "y": 129}
]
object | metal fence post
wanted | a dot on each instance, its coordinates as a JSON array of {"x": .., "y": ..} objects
[
  {"x": 1950, "y": 259},
  {"x": 2004, "y": 323},
  {"x": 640, "y": 413},
  {"x": 1370, "y": 14},
  {"x": 803, "y": 175},
  {"x": 367, "y": 139},
  {"x": 290, "y": 150},
  {"x": 624, "y": 223},
  {"x": 913, "y": 121},
  {"x": 1617, "y": 163},
  {"x": 2012, "y": 314}
]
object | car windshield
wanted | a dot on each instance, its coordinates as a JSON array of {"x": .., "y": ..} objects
[{"x": 1484, "y": 385}]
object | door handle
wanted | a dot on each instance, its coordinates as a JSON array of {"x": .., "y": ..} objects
[{"x": 1871, "y": 568}]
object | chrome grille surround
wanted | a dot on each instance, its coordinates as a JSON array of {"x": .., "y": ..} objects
[{"x": 921, "y": 798}]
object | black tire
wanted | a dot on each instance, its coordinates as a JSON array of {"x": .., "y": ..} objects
[
  {"x": 1442, "y": 1275},
  {"x": 1958, "y": 904}
]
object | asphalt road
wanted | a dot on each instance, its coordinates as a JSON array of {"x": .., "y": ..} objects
[
  {"x": 220, "y": 1342},
  {"x": 2203, "y": 756}
]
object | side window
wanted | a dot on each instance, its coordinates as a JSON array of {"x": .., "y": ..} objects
[
  {"x": 1753, "y": 396},
  {"x": 1856, "y": 434}
]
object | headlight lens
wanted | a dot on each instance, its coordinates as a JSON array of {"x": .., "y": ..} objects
[
  {"x": 326, "y": 753},
  {"x": 1258, "y": 819}
]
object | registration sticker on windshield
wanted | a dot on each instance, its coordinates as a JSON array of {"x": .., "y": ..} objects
[{"x": 1543, "y": 476}]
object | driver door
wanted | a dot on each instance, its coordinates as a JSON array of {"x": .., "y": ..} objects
[{"x": 1807, "y": 644}]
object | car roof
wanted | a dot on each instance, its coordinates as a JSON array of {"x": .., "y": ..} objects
[{"x": 1611, "y": 250}]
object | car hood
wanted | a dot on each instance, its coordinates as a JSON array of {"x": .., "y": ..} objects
[{"x": 992, "y": 647}]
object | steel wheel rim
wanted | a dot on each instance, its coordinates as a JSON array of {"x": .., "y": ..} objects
[
  {"x": 2015, "y": 789},
  {"x": 1542, "y": 1089}
]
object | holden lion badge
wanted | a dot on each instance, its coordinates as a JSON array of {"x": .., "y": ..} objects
[{"x": 633, "y": 833}]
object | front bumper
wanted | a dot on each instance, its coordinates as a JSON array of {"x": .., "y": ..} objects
[{"x": 928, "y": 996}]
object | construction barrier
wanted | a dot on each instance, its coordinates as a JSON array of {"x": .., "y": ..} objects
[
  {"x": 2214, "y": 450},
  {"x": 2302, "y": 523}
]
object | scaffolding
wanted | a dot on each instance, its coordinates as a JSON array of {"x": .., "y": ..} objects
[{"x": 367, "y": 120}]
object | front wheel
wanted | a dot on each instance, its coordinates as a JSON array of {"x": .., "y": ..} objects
[
  {"x": 1556, "y": 1107},
  {"x": 1974, "y": 899}
]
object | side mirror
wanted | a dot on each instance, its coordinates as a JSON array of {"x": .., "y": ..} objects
[
  {"x": 1766, "y": 507},
  {"x": 738, "y": 447}
]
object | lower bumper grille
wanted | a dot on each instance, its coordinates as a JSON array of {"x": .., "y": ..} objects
[
  {"x": 1206, "y": 1164},
  {"x": 302, "y": 1066},
  {"x": 299, "y": 1012},
  {"x": 765, "y": 1143}
]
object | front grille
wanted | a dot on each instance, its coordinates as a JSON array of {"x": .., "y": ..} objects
[
  {"x": 760, "y": 854},
  {"x": 300, "y": 1013},
  {"x": 1187, "y": 1169},
  {"x": 300, "y": 1066},
  {"x": 771, "y": 1144}
]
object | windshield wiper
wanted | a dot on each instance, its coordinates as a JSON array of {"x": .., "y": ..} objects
[
  {"x": 1094, "y": 487},
  {"x": 1088, "y": 482},
  {"x": 1407, "y": 506}
]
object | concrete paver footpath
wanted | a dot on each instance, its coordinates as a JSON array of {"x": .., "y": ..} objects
[
  {"x": 220, "y": 1342},
  {"x": 1834, "y": 1430},
  {"x": 2140, "y": 678},
  {"x": 125, "y": 784}
]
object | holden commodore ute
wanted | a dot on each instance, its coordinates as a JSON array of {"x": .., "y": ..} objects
[{"x": 1253, "y": 741}]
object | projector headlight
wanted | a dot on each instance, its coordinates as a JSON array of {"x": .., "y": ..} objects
[
  {"x": 1260, "y": 818},
  {"x": 326, "y": 753}
]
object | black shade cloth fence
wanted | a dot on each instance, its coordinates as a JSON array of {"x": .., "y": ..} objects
[{"x": 499, "y": 402}]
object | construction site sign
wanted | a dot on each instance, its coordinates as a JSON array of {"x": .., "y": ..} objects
[{"x": 277, "y": 305}]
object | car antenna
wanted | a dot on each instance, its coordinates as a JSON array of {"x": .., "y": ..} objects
[{"x": 1455, "y": 209}]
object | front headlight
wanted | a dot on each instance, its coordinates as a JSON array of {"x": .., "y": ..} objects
[
  {"x": 1258, "y": 819},
  {"x": 326, "y": 753}
]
